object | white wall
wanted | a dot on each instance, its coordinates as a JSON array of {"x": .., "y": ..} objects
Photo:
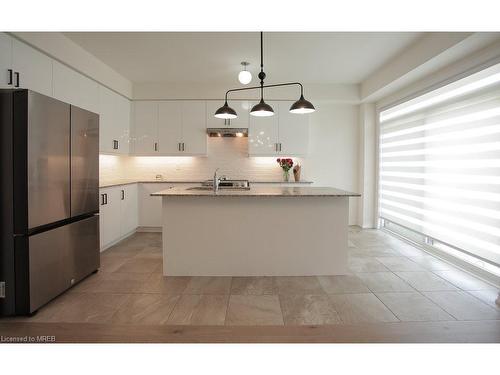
[{"x": 332, "y": 160}]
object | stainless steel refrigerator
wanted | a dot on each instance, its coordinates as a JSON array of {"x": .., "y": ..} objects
[{"x": 49, "y": 198}]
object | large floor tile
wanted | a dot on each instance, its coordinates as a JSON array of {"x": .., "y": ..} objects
[
  {"x": 342, "y": 284},
  {"x": 299, "y": 285},
  {"x": 365, "y": 264},
  {"x": 406, "y": 249},
  {"x": 111, "y": 264},
  {"x": 139, "y": 265},
  {"x": 145, "y": 309},
  {"x": 199, "y": 310},
  {"x": 413, "y": 307},
  {"x": 208, "y": 285},
  {"x": 464, "y": 280},
  {"x": 426, "y": 281},
  {"x": 115, "y": 282},
  {"x": 490, "y": 297},
  {"x": 399, "y": 264},
  {"x": 384, "y": 282},
  {"x": 463, "y": 306},
  {"x": 373, "y": 251},
  {"x": 89, "y": 308},
  {"x": 151, "y": 252},
  {"x": 432, "y": 264},
  {"x": 357, "y": 308},
  {"x": 254, "y": 310},
  {"x": 157, "y": 283},
  {"x": 254, "y": 285},
  {"x": 308, "y": 309}
]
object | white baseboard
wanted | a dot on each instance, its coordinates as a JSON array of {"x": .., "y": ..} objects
[
  {"x": 149, "y": 229},
  {"x": 112, "y": 243}
]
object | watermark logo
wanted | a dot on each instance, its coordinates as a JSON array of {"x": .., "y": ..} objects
[{"x": 28, "y": 339}]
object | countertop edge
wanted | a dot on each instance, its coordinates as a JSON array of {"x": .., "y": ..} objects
[{"x": 121, "y": 183}]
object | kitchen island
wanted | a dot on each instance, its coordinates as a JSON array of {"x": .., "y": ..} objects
[{"x": 263, "y": 231}]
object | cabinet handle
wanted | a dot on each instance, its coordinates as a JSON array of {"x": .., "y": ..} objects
[
  {"x": 183, "y": 147},
  {"x": 10, "y": 76},
  {"x": 156, "y": 146},
  {"x": 17, "y": 79},
  {"x": 123, "y": 194},
  {"x": 106, "y": 198},
  {"x": 178, "y": 146},
  {"x": 102, "y": 199},
  {"x": 280, "y": 146},
  {"x": 115, "y": 144}
]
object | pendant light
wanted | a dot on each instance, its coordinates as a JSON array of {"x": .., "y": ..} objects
[
  {"x": 245, "y": 77},
  {"x": 262, "y": 109}
]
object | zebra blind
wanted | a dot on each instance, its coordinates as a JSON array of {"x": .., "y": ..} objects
[{"x": 439, "y": 164}]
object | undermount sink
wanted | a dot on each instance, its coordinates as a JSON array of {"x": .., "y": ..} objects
[{"x": 200, "y": 188}]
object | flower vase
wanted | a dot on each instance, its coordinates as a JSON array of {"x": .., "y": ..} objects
[{"x": 286, "y": 175}]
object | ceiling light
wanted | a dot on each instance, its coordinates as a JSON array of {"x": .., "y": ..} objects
[
  {"x": 245, "y": 77},
  {"x": 262, "y": 109},
  {"x": 225, "y": 112},
  {"x": 302, "y": 106}
]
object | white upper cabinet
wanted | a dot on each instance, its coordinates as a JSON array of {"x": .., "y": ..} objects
[
  {"x": 114, "y": 122},
  {"x": 293, "y": 131},
  {"x": 170, "y": 127},
  {"x": 6, "y": 70},
  {"x": 145, "y": 128},
  {"x": 74, "y": 88},
  {"x": 32, "y": 69},
  {"x": 285, "y": 133},
  {"x": 194, "y": 127},
  {"x": 263, "y": 133},
  {"x": 242, "y": 108}
]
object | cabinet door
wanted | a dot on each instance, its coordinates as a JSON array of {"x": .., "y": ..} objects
[
  {"x": 145, "y": 135},
  {"x": 170, "y": 127},
  {"x": 194, "y": 127},
  {"x": 263, "y": 133},
  {"x": 109, "y": 216},
  {"x": 106, "y": 122},
  {"x": 74, "y": 88},
  {"x": 35, "y": 68},
  {"x": 128, "y": 208},
  {"x": 150, "y": 208},
  {"x": 5, "y": 61},
  {"x": 293, "y": 131},
  {"x": 242, "y": 108},
  {"x": 122, "y": 119}
]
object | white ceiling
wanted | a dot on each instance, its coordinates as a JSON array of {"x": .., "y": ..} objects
[{"x": 207, "y": 57}]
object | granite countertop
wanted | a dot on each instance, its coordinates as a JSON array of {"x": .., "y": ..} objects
[
  {"x": 296, "y": 191},
  {"x": 131, "y": 181}
]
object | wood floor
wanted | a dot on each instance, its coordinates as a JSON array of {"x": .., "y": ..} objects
[{"x": 395, "y": 293}]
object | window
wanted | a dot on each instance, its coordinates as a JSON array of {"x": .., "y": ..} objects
[{"x": 439, "y": 166}]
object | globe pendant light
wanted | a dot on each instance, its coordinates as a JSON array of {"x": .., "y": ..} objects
[
  {"x": 245, "y": 77},
  {"x": 262, "y": 109}
]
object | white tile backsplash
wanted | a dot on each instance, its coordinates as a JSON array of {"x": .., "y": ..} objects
[{"x": 230, "y": 155}]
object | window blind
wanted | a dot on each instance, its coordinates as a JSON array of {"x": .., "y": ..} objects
[{"x": 439, "y": 164}]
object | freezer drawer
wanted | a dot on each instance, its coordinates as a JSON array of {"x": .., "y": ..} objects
[
  {"x": 84, "y": 162},
  {"x": 60, "y": 257}
]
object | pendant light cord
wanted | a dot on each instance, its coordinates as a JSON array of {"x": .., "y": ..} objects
[{"x": 262, "y": 75}]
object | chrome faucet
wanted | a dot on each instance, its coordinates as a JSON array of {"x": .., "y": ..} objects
[{"x": 216, "y": 181}]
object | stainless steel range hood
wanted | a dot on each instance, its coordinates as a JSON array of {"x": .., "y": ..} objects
[{"x": 227, "y": 132}]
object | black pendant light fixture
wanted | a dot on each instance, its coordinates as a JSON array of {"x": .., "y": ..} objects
[{"x": 262, "y": 109}]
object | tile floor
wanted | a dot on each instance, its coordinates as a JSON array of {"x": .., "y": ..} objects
[{"x": 391, "y": 281}]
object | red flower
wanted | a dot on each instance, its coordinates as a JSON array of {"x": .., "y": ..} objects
[{"x": 278, "y": 160}]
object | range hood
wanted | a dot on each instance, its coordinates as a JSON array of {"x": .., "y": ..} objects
[{"x": 227, "y": 132}]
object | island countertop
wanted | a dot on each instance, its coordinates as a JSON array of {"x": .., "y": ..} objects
[{"x": 259, "y": 191}]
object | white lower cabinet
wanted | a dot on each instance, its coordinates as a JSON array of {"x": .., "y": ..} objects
[
  {"x": 117, "y": 213},
  {"x": 6, "y": 71},
  {"x": 150, "y": 208}
]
